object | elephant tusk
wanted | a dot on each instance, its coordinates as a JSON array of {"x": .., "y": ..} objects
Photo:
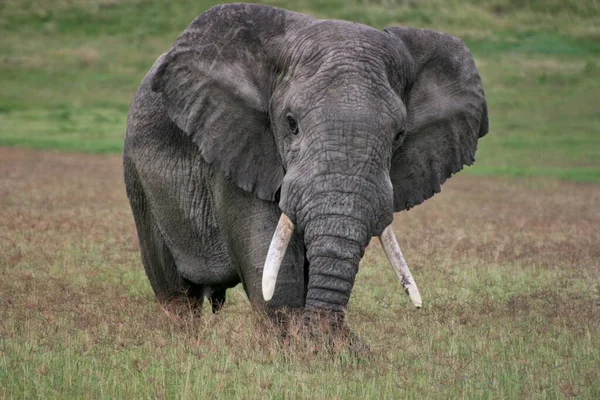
[
  {"x": 394, "y": 254},
  {"x": 279, "y": 244}
]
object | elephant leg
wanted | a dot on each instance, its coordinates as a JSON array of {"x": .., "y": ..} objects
[
  {"x": 217, "y": 299},
  {"x": 159, "y": 264},
  {"x": 194, "y": 293},
  {"x": 247, "y": 224}
]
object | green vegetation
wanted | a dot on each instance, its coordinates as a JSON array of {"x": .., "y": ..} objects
[
  {"x": 508, "y": 270},
  {"x": 68, "y": 70}
]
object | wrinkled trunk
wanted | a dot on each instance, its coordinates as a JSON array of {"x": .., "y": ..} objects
[
  {"x": 338, "y": 194},
  {"x": 335, "y": 239},
  {"x": 333, "y": 267}
]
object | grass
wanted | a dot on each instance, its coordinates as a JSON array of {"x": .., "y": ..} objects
[
  {"x": 69, "y": 68},
  {"x": 508, "y": 270}
]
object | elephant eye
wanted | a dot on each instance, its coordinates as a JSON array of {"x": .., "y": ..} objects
[{"x": 292, "y": 124}]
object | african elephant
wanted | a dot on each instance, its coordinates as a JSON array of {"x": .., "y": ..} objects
[{"x": 264, "y": 131}]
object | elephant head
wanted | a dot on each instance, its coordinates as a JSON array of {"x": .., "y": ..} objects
[{"x": 340, "y": 123}]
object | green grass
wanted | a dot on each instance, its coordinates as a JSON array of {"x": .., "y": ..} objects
[
  {"x": 69, "y": 68},
  {"x": 460, "y": 345},
  {"x": 508, "y": 270}
]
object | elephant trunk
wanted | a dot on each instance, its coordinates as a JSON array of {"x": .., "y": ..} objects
[
  {"x": 335, "y": 238},
  {"x": 333, "y": 264},
  {"x": 339, "y": 197},
  {"x": 335, "y": 245}
]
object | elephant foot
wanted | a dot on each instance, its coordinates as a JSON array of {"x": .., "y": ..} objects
[
  {"x": 196, "y": 293},
  {"x": 217, "y": 299}
]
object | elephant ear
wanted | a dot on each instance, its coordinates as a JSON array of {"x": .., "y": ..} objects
[
  {"x": 446, "y": 114},
  {"x": 216, "y": 85}
]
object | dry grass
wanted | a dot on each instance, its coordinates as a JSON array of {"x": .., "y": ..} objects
[{"x": 509, "y": 271}]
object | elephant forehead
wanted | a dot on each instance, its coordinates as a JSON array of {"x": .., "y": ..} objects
[
  {"x": 340, "y": 51},
  {"x": 348, "y": 86},
  {"x": 329, "y": 40},
  {"x": 340, "y": 31}
]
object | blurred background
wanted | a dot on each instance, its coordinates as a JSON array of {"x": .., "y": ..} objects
[
  {"x": 508, "y": 261},
  {"x": 68, "y": 70}
]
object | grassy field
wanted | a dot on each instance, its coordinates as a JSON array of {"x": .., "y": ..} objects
[
  {"x": 68, "y": 70},
  {"x": 509, "y": 268}
]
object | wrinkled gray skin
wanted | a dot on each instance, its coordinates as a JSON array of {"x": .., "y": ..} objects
[{"x": 211, "y": 159}]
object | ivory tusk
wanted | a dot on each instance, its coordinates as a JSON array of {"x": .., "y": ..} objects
[
  {"x": 279, "y": 244},
  {"x": 394, "y": 254}
]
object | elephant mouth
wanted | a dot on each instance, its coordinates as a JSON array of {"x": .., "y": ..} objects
[{"x": 281, "y": 239}]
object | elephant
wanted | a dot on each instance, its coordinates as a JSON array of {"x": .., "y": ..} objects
[{"x": 267, "y": 148}]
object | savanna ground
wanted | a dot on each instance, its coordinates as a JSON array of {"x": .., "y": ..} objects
[{"x": 507, "y": 257}]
